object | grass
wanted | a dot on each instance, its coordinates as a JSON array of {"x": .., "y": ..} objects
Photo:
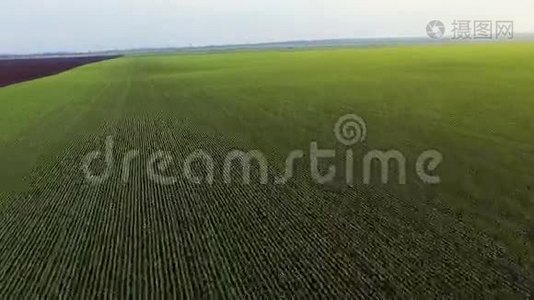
[{"x": 471, "y": 233}]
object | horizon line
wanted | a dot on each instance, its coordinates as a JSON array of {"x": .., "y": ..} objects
[{"x": 230, "y": 45}]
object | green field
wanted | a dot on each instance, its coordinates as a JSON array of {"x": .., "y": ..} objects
[{"x": 471, "y": 234}]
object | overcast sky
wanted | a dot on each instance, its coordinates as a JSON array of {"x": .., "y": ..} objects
[{"x": 30, "y": 26}]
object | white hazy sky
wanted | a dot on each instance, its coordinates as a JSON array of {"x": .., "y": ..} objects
[{"x": 29, "y": 26}]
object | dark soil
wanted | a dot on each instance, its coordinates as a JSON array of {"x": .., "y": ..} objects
[{"x": 19, "y": 70}]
